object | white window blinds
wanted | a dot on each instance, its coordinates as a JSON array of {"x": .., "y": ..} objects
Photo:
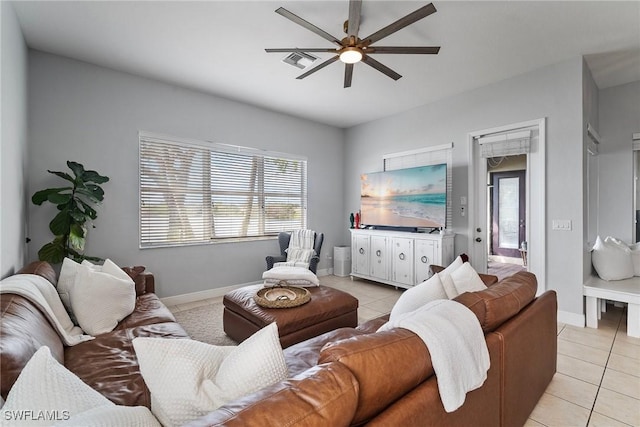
[
  {"x": 424, "y": 157},
  {"x": 195, "y": 192},
  {"x": 505, "y": 144}
]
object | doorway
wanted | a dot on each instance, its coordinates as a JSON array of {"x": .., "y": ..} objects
[
  {"x": 507, "y": 225},
  {"x": 520, "y": 238}
]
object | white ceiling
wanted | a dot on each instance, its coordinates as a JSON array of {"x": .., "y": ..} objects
[{"x": 218, "y": 47}]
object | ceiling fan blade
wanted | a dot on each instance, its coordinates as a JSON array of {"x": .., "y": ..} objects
[
  {"x": 318, "y": 67},
  {"x": 296, "y": 49},
  {"x": 354, "y": 17},
  {"x": 348, "y": 75},
  {"x": 309, "y": 26},
  {"x": 380, "y": 67},
  {"x": 429, "y": 50},
  {"x": 409, "y": 19}
]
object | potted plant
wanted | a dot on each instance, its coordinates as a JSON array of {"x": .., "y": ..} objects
[{"x": 75, "y": 204}]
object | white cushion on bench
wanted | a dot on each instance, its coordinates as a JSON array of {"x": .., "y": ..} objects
[{"x": 612, "y": 259}]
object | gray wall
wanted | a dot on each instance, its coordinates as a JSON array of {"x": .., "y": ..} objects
[
  {"x": 554, "y": 92},
  {"x": 91, "y": 114},
  {"x": 13, "y": 143},
  {"x": 619, "y": 119}
]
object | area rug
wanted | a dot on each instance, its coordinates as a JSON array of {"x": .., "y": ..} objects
[{"x": 205, "y": 324}]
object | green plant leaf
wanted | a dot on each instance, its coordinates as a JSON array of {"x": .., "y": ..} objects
[
  {"x": 77, "y": 237},
  {"x": 78, "y": 216},
  {"x": 52, "y": 252},
  {"x": 97, "y": 196},
  {"x": 61, "y": 223},
  {"x": 62, "y": 175},
  {"x": 88, "y": 210},
  {"x": 96, "y": 190},
  {"x": 91, "y": 258},
  {"x": 93, "y": 176},
  {"x": 59, "y": 198},
  {"x": 77, "y": 169},
  {"x": 40, "y": 196}
]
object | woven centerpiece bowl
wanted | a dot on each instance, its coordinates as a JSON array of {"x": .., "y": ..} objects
[{"x": 282, "y": 296}]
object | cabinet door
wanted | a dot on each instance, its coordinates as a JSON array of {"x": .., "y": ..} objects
[
  {"x": 426, "y": 254},
  {"x": 402, "y": 263},
  {"x": 360, "y": 254},
  {"x": 379, "y": 257}
]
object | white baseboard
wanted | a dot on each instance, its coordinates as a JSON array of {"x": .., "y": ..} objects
[
  {"x": 573, "y": 319},
  {"x": 219, "y": 292},
  {"x": 198, "y": 296}
]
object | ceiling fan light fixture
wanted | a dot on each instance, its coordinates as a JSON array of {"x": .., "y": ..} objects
[{"x": 350, "y": 55}]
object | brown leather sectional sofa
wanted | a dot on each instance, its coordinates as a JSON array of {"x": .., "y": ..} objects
[
  {"x": 350, "y": 376},
  {"x": 359, "y": 377},
  {"x": 108, "y": 363}
]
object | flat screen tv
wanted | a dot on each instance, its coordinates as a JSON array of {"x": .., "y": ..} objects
[{"x": 405, "y": 198}]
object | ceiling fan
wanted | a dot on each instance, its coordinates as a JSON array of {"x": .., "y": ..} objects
[{"x": 353, "y": 49}]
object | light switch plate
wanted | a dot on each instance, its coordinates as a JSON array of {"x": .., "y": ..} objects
[{"x": 561, "y": 224}]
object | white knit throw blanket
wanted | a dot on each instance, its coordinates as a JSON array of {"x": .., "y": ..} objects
[
  {"x": 43, "y": 295},
  {"x": 300, "y": 249},
  {"x": 457, "y": 346}
]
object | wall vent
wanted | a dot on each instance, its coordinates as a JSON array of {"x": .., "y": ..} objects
[{"x": 299, "y": 59}]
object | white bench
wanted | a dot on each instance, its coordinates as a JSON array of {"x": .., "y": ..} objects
[{"x": 627, "y": 290}]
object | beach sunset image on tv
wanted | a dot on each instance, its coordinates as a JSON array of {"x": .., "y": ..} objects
[{"x": 414, "y": 197}]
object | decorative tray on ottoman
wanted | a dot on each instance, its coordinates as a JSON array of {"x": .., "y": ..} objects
[{"x": 282, "y": 296}]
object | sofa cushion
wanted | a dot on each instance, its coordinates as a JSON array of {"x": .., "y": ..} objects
[
  {"x": 45, "y": 385},
  {"x": 498, "y": 303},
  {"x": 380, "y": 364},
  {"x": 324, "y": 395},
  {"x": 109, "y": 363},
  {"x": 23, "y": 329},
  {"x": 148, "y": 311},
  {"x": 304, "y": 355}
]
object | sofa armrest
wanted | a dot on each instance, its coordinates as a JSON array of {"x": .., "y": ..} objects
[
  {"x": 149, "y": 282},
  {"x": 144, "y": 280}
]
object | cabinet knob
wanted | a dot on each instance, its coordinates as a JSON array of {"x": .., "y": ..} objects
[
  {"x": 424, "y": 259},
  {"x": 478, "y": 239},
  {"x": 378, "y": 253},
  {"x": 401, "y": 256},
  {"x": 361, "y": 251}
]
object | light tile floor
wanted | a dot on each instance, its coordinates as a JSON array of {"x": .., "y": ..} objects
[{"x": 597, "y": 383}]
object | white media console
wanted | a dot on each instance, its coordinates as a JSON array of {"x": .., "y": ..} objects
[{"x": 398, "y": 258}]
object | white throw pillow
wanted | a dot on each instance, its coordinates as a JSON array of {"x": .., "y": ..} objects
[
  {"x": 100, "y": 300},
  {"x": 447, "y": 283},
  {"x": 466, "y": 279},
  {"x": 453, "y": 266},
  {"x": 291, "y": 273},
  {"x": 46, "y": 393},
  {"x": 66, "y": 280},
  {"x": 188, "y": 379},
  {"x": 612, "y": 259},
  {"x": 419, "y": 295},
  {"x": 635, "y": 258},
  {"x": 449, "y": 287}
]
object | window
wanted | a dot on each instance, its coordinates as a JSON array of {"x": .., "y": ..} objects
[{"x": 194, "y": 192}]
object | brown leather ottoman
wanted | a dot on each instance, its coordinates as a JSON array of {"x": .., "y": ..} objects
[{"x": 328, "y": 309}]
